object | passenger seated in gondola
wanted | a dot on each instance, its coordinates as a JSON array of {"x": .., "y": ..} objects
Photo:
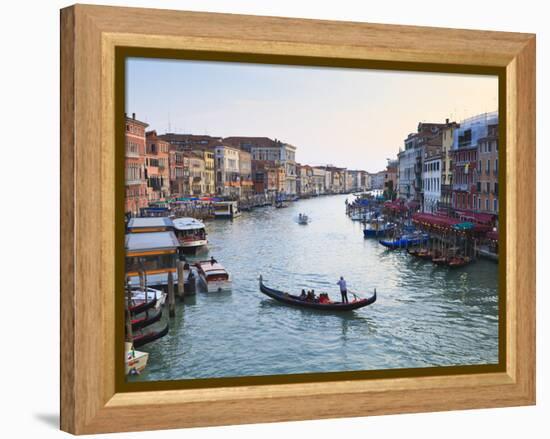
[
  {"x": 323, "y": 298},
  {"x": 303, "y": 296},
  {"x": 310, "y": 296}
]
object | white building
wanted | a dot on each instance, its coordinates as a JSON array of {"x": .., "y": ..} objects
[
  {"x": 228, "y": 174},
  {"x": 431, "y": 180}
]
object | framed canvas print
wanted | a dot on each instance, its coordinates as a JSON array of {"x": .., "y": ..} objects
[{"x": 270, "y": 219}]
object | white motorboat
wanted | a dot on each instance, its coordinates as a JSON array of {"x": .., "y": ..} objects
[
  {"x": 213, "y": 276},
  {"x": 135, "y": 361}
]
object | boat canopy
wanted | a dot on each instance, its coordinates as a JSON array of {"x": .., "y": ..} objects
[
  {"x": 149, "y": 222},
  {"x": 154, "y": 241},
  {"x": 187, "y": 224}
]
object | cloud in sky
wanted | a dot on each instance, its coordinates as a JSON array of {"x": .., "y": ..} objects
[{"x": 347, "y": 117}]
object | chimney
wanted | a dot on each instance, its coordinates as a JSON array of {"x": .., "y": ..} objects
[
  {"x": 447, "y": 121},
  {"x": 134, "y": 116}
]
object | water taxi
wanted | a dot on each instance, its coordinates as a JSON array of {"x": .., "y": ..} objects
[
  {"x": 213, "y": 276},
  {"x": 226, "y": 209},
  {"x": 190, "y": 233}
]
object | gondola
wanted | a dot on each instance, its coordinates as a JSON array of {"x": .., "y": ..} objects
[
  {"x": 458, "y": 261},
  {"x": 146, "y": 321},
  {"x": 289, "y": 299},
  {"x": 142, "y": 307},
  {"x": 142, "y": 339},
  {"x": 405, "y": 241}
]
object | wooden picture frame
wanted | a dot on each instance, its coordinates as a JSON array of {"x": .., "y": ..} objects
[{"x": 90, "y": 37}]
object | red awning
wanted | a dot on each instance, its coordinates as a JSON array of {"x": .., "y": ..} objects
[{"x": 476, "y": 217}]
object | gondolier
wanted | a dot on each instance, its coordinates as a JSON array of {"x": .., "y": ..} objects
[{"x": 343, "y": 289}]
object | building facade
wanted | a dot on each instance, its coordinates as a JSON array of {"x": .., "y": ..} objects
[
  {"x": 245, "y": 171},
  {"x": 227, "y": 171},
  {"x": 135, "y": 173},
  {"x": 487, "y": 186},
  {"x": 157, "y": 167},
  {"x": 464, "y": 156},
  {"x": 431, "y": 180}
]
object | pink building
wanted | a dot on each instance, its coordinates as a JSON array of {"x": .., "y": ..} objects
[{"x": 136, "y": 184}]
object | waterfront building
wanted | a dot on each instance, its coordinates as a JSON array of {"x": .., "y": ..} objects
[
  {"x": 266, "y": 149},
  {"x": 197, "y": 171},
  {"x": 268, "y": 177},
  {"x": 487, "y": 185},
  {"x": 304, "y": 180},
  {"x": 431, "y": 180},
  {"x": 157, "y": 167},
  {"x": 135, "y": 175},
  {"x": 318, "y": 180},
  {"x": 209, "y": 175},
  {"x": 335, "y": 179},
  {"x": 179, "y": 172},
  {"x": 245, "y": 170},
  {"x": 426, "y": 138},
  {"x": 390, "y": 179},
  {"x": 227, "y": 171},
  {"x": 447, "y": 140},
  {"x": 377, "y": 180},
  {"x": 464, "y": 155},
  {"x": 354, "y": 180}
]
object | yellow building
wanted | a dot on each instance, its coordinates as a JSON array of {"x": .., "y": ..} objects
[{"x": 208, "y": 182}]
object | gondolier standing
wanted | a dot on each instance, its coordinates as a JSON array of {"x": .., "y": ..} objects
[{"x": 343, "y": 289}]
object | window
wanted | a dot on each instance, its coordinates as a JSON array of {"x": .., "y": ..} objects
[
  {"x": 479, "y": 203},
  {"x": 488, "y": 185},
  {"x": 495, "y": 205},
  {"x": 488, "y": 165},
  {"x": 487, "y": 204}
]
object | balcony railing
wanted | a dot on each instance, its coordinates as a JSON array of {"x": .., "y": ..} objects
[
  {"x": 133, "y": 182},
  {"x": 460, "y": 187},
  {"x": 132, "y": 154}
]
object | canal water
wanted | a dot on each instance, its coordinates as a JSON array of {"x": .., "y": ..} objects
[{"x": 424, "y": 316}]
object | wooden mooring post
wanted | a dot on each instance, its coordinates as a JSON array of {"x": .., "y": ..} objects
[
  {"x": 181, "y": 279},
  {"x": 171, "y": 298}
]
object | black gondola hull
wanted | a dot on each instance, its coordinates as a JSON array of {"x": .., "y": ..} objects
[
  {"x": 289, "y": 299},
  {"x": 140, "y": 340},
  {"x": 146, "y": 321},
  {"x": 142, "y": 307}
]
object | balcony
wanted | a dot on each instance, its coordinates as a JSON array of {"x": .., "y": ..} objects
[
  {"x": 133, "y": 182},
  {"x": 460, "y": 187},
  {"x": 132, "y": 154}
]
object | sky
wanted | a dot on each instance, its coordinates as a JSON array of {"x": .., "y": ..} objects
[{"x": 353, "y": 118}]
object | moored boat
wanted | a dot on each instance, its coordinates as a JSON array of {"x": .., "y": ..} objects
[
  {"x": 226, "y": 209},
  {"x": 377, "y": 228},
  {"x": 140, "y": 298},
  {"x": 213, "y": 276},
  {"x": 422, "y": 253},
  {"x": 146, "y": 320},
  {"x": 134, "y": 361},
  {"x": 405, "y": 241},
  {"x": 191, "y": 234},
  {"x": 142, "y": 339},
  {"x": 458, "y": 261},
  {"x": 293, "y": 300}
]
